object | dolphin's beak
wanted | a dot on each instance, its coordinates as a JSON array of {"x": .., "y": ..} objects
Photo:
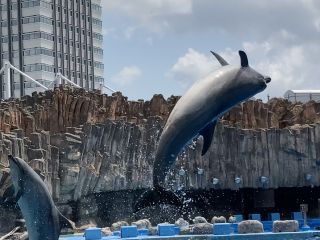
[{"x": 267, "y": 79}]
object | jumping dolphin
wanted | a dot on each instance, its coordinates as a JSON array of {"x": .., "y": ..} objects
[
  {"x": 196, "y": 113},
  {"x": 43, "y": 219}
]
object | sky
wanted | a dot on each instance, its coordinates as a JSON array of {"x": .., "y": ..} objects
[{"x": 163, "y": 46}]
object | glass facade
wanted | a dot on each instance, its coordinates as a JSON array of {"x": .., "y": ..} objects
[{"x": 45, "y": 37}]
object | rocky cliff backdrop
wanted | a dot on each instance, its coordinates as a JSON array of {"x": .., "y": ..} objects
[{"x": 86, "y": 145}]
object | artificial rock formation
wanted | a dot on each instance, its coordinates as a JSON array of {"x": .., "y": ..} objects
[
  {"x": 202, "y": 228},
  {"x": 220, "y": 219},
  {"x": 250, "y": 226},
  {"x": 85, "y": 143},
  {"x": 285, "y": 226}
]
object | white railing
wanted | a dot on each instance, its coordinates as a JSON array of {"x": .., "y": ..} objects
[
  {"x": 6, "y": 69},
  {"x": 60, "y": 77},
  {"x": 102, "y": 86},
  {"x": 7, "y": 66}
]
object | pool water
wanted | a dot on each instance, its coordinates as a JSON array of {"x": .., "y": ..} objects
[{"x": 310, "y": 235}]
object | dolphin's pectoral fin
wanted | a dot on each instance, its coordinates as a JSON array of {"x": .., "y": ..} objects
[
  {"x": 65, "y": 222},
  {"x": 207, "y": 134},
  {"x": 220, "y": 59},
  {"x": 155, "y": 196}
]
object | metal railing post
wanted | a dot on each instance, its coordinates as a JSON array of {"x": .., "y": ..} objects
[
  {"x": 7, "y": 79},
  {"x": 6, "y": 69},
  {"x": 58, "y": 80}
]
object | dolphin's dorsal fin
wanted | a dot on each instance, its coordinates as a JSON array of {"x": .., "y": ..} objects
[
  {"x": 244, "y": 59},
  {"x": 207, "y": 134},
  {"x": 220, "y": 59}
]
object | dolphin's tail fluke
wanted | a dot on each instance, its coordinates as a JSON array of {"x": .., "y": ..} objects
[{"x": 156, "y": 196}]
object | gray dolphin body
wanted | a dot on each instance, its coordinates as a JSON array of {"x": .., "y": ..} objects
[
  {"x": 196, "y": 113},
  {"x": 43, "y": 219}
]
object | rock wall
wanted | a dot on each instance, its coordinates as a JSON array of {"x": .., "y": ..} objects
[
  {"x": 108, "y": 143},
  {"x": 119, "y": 156},
  {"x": 57, "y": 110},
  {"x": 84, "y": 143}
]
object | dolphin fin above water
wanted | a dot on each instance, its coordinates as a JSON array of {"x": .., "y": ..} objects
[
  {"x": 207, "y": 134},
  {"x": 220, "y": 59},
  {"x": 155, "y": 196},
  {"x": 195, "y": 114},
  {"x": 243, "y": 59}
]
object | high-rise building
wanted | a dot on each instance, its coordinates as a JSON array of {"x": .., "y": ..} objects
[{"x": 45, "y": 37}]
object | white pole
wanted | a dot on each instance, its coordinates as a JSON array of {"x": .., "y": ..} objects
[
  {"x": 7, "y": 78},
  {"x": 2, "y": 69},
  {"x": 57, "y": 80}
]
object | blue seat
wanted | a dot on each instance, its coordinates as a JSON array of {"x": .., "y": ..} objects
[
  {"x": 234, "y": 227},
  {"x": 297, "y": 216},
  {"x": 93, "y": 233},
  {"x": 274, "y": 216},
  {"x": 116, "y": 233},
  {"x": 143, "y": 232},
  {"x": 222, "y": 229},
  {"x": 255, "y": 216},
  {"x": 129, "y": 231},
  {"x": 165, "y": 229},
  {"x": 238, "y": 217}
]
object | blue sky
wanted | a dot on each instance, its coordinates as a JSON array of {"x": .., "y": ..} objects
[{"x": 163, "y": 46}]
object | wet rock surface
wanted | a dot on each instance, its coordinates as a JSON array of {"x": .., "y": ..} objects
[
  {"x": 220, "y": 219},
  {"x": 250, "y": 226},
  {"x": 232, "y": 219},
  {"x": 199, "y": 219},
  {"x": 202, "y": 228},
  {"x": 182, "y": 224},
  {"x": 285, "y": 226},
  {"x": 142, "y": 224},
  {"x": 117, "y": 225}
]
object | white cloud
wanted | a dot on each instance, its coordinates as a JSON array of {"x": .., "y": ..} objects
[
  {"x": 108, "y": 31},
  {"x": 192, "y": 66},
  {"x": 291, "y": 66},
  {"x": 127, "y": 75},
  {"x": 281, "y": 38},
  {"x": 149, "y": 8},
  {"x": 150, "y": 14},
  {"x": 259, "y": 18},
  {"x": 129, "y": 31}
]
